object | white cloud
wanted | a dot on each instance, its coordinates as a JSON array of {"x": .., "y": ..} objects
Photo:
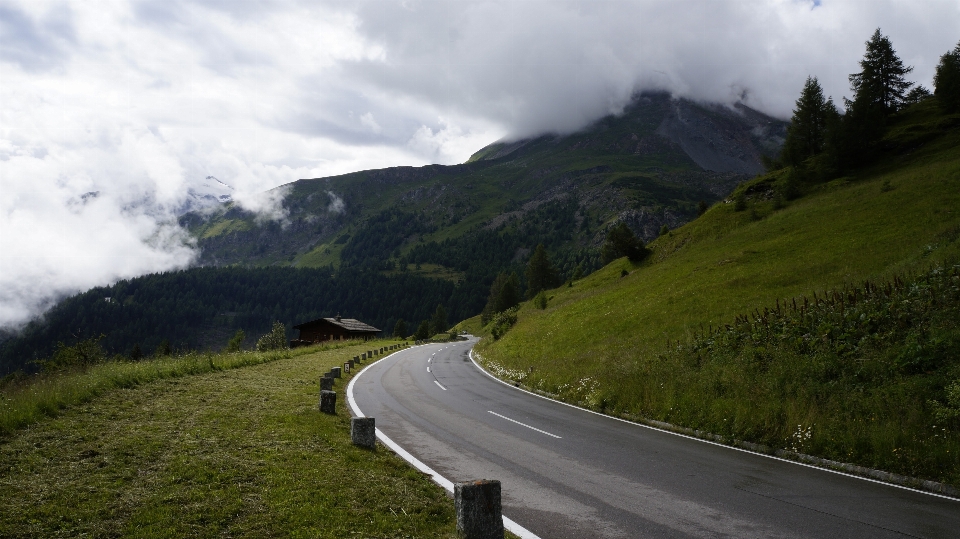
[{"x": 135, "y": 100}]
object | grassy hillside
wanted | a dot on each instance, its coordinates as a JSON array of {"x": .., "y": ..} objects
[
  {"x": 604, "y": 342},
  {"x": 163, "y": 449}
]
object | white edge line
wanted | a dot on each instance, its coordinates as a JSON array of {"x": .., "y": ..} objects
[
  {"x": 742, "y": 450},
  {"x": 522, "y": 424},
  {"x": 438, "y": 383},
  {"x": 447, "y": 485}
]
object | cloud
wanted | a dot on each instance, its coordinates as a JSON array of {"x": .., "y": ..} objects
[
  {"x": 336, "y": 203},
  {"x": 136, "y": 101}
]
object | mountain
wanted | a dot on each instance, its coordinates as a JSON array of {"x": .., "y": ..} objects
[
  {"x": 649, "y": 166},
  {"x": 202, "y": 195}
]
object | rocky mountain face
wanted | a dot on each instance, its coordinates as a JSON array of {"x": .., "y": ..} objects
[{"x": 650, "y": 166}]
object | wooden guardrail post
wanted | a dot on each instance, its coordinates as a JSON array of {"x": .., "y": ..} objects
[{"x": 478, "y": 509}]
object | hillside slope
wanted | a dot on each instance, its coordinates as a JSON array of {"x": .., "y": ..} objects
[{"x": 602, "y": 342}]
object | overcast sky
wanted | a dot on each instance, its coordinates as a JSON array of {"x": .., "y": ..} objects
[{"x": 134, "y": 101}]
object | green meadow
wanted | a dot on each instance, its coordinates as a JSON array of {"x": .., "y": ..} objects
[
  {"x": 202, "y": 445},
  {"x": 625, "y": 339}
]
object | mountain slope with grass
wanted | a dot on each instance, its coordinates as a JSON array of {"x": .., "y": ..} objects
[{"x": 642, "y": 340}]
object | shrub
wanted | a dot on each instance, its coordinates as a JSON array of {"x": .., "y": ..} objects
[
  {"x": 275, "y": 340},
  {"x": 502, "y": 322},
  {"x": 85, "y": 353},
  {"x": 540, "y": 301},
  {"x": 236, "y": 342}
]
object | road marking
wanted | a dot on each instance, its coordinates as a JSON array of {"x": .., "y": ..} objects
[
  {"x": 438, "y": 383},
  {"x": 428, "y": 369},
  {"x": 523, "y": 424}
]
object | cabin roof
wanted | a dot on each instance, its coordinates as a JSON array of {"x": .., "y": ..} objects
[{"x": 349, "y": 324}]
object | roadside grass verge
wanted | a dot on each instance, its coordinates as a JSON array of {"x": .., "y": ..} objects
[
  {"x": 26, "y": 400},
  {"x": 235, "y": 452},
  {"x": 609, "y": 341}
]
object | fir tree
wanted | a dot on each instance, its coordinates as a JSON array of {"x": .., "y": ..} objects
[
  {"x": 807, "y": 133},
  {"x": 438, "y": 324},
  {"x": 540, "y": 273},
  {"x": 881, "y": 82},
  {"x": 946, "y": 81},
  {"x": 400, "y": 330}
]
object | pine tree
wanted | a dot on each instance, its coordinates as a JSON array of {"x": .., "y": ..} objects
[
  {"x": 400, "y": 330},
  {"x": 438, "y": 324},
  {"x": 540, "y": 273},
  {"x": 881, "y": 82},
  {"x": 946, "y": 81},
  {"x": 807, "y": 133},
  {"x": 878, "y": 92}
]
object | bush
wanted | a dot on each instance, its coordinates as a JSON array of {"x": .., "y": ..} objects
[
  {"x": 540, "y": 301},
  {"x": 502, "y": 322},
  {"x": 236, "y": 342},
  {"x": 275, "y": 340},
  {"x": 622, "y": 242},
  {"x": 83, "y": 354}
]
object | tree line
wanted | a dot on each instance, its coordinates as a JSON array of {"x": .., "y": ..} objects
[
  {"x": 202, "y": 307},
  {"x": 822, "y": 142}
]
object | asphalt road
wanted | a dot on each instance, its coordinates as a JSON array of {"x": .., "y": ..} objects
[{"x": 566, "y": 472}]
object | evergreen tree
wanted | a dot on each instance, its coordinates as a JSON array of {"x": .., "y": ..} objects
[
  {"x": 917, "y": 94},
  {"x": 621, "y": 242},
  {"x": 400, "y": 330},
  {"x": 423, "y": 331},
  {"x": 878, "y": 92},
  {"x": 438, "y": 324},
  {"x": 946, "y": 81},
  {"x": 504, "y": 293},
  {"x": 881, "y": 82},
  {"x": 540, "y": 273},
  {"x": 807, "y": 133}
]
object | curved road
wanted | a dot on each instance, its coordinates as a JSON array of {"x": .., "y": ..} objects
[{"x": 566, "y": 472}]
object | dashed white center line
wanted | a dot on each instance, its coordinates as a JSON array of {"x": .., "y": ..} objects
[
  {"x": 523, "y": 424},
  {"x": 438, "y": 383},
  {"x": 428, "y": 369}
]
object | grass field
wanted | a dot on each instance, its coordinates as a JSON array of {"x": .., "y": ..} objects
[
  {"x": 232, "y": 447},
  {"x": 602, "y": 341}
]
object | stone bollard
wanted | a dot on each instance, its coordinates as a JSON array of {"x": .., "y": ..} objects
[
  {"x": 477, "y": 505},
  {"x": 363, "y": 355},
  {"x": 363, "y": 432},
  {"x": 326, "y": 383},
  {"x": 369, "y": 353},
  {"x": 335, "y": 372},
  {"x": 352, "y": 363},
  {"x": 328, "y": 402},
  {"x": 356, "y": 358},
  {"x": 346, "y": 368}
]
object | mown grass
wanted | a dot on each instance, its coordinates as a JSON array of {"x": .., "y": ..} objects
[
  {"x": 175, "y": 448},
  {"x": 602, "y": 341}
]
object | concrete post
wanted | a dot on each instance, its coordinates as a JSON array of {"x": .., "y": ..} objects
[
  {"x": 363, "y": 432},
  {"x": 326, "y": 383},
  {"x": 328, "y": 402},
  {"x": 356, "y": 358},
  {"x": 335, "y": 372},
  {"x": 352, "y": 363},
  {"x": 477, "y": 505},
  {"x": 363, "y": 355},
  {"x": 346, "y": 368}
]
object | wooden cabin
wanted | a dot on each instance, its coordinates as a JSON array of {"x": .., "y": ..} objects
[{"x": 333, "y": 329}]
